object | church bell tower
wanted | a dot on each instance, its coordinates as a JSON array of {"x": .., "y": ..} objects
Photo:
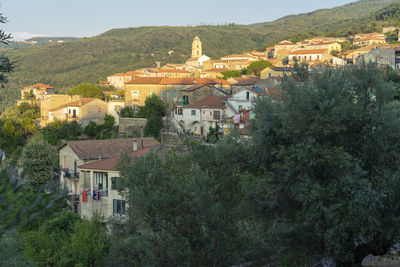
[{"x": 196, "y": 47}]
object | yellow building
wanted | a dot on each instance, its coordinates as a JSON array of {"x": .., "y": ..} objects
[
  {"x": 52, "y": 102},
  {"x": 83, "y": 111},
  {"x": 168, "y": 89},
  {"x": 333, "y": 46},
  {"x": 270, "y": 72},
  {"x": 369, "y": 41},
  {"x": 284, "y": 48},
  {"x": 321, "y": 55}
]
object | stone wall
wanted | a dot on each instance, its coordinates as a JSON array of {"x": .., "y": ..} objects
[{"x": 132, "y": 126}]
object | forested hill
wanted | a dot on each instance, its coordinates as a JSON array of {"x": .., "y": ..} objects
[{"x": 89, "y": 59}]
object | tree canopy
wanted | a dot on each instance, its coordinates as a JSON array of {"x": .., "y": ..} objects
[
  {"x": 329, "y": 151},
  {"x": 86, "y": 90}
]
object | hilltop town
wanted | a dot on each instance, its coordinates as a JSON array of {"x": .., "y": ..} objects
[{"x": 212, "y": 150}]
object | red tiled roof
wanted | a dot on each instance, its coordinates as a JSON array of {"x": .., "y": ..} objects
[
  {"x": 110, "y": 164},
  {"x": 216, "y": 102},
  {"x": 176, "y": 81},
  {"x": 171, "y": 70},
  {"x": 286, "y": 43},
  {"x": 309, "y": 52},
  {"x": 322, "y": 43},
  {"x": 145, "y": 80},
  {"x": 40, "y": 86},
  {"x": 107, "y": 148}
]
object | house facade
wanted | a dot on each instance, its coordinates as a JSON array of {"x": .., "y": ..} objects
[
  {"x": 200, "y": 116},
  {"x": 38, "y": 91},
  {"x": 83, "y": 111},
  {"x": 77, "y": 175}
]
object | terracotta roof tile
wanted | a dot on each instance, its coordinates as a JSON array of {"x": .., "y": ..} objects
[
  {"x": 309, "y": 52},
  {"x": 40, "y": 86},
  {"x": 103, "y": 149},
  {"x": 110, "y": 164},
  {"x": 216, "y": 102}
]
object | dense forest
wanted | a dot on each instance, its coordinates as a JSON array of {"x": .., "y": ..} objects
[{"x": 65, "y": 65}]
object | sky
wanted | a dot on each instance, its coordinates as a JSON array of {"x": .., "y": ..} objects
[{"x": 85, "y": 18}]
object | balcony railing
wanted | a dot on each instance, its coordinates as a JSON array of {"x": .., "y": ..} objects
[
  {"x": 104, "y": 193},
  {"x": 70, "y": 174},
  {"x": 72, "y": 198}
]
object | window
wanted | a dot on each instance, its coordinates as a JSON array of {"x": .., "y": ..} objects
[
  {"x": 118, "y": 206},
  {"x": 193, "y": 112},
  {"x": 162, "y": 94},
  {"x": 210, "y": 113},
  {"x": 168, "y": 93},
  {"x": 69, "y": 111},
  {"x": 135, "y": 95},
  {"x": 101, "y": 180},
  {"x": 175, "y": 94},
  {"x": 185, "y": 100},
  {"x": 114, "y": 183},
  {"x": 217, "y": 115},
  {"x": 247, "y": 95}
]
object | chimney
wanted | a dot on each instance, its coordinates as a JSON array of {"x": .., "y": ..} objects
[
  {"x": 135, "y": 145},
  {"x": 158, "y": 64},
  {"x": 80, "y": 102},
  {"x": 194, "y": 81}
]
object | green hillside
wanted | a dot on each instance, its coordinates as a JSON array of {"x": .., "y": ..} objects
[{"x": 67, "y": 64}]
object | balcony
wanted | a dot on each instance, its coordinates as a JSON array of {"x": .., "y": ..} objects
[
  {"x": 73, "y": 198},
  {"x": 70, "y": 174}
]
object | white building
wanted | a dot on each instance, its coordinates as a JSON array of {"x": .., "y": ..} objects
[
  {"x": 197, "y": 118},
  {"x": 245, "y": 99}
]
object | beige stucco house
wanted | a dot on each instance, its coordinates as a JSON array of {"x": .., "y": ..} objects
[
  {"x": 78, "y": 175},
  {"x": 82, "y": 110}
]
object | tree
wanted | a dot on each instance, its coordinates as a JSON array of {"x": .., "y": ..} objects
[
  {"x": 257, "y": 66},
  {"x": 6, "y": 66},
  {"x": 87, "y": 90},
  {"x": 153, "y": 111},
  {"x": 184, "y": 209},
  {"x": 328, "y": 150},
  {"x": 126, "y": 112},
  {"x": 38, "y": 160},
  {"x": 89, "y": 243}
]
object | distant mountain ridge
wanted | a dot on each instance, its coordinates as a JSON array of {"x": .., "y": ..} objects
[{"x": 67, "y": 64}]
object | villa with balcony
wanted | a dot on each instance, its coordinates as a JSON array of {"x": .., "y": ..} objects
[{"x": 88, "y": 172}]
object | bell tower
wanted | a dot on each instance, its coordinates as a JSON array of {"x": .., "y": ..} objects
[{"x": 196, "y": 47}]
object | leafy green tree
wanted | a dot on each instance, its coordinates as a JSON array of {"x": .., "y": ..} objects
[
  {"x": 126, "y": 112},
  {"x": 328, "y": 154},
  {"x": 38, "y": 158},
  {"x": 87, "y": 90},
  {"x": 233, "y": 73},
  {"x": 153, "y": 111},
  {"x": 6, "y": 66},
  {"x": 48, "y": 245},
  {"x": 257, "y": 66},
  {"x": 56, "y": 131},
  {"x": 392, "y": 37},
  {"x": 91, "y": 129},
  {"x": 183, "y": 210},
  {"x": 12, "y": 251},
  {"x": 89, "y": 243},
  {"x": 153, "y": 106}
]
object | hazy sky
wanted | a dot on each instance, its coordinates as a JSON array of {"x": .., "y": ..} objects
[{"x": 91, "y": 17}]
